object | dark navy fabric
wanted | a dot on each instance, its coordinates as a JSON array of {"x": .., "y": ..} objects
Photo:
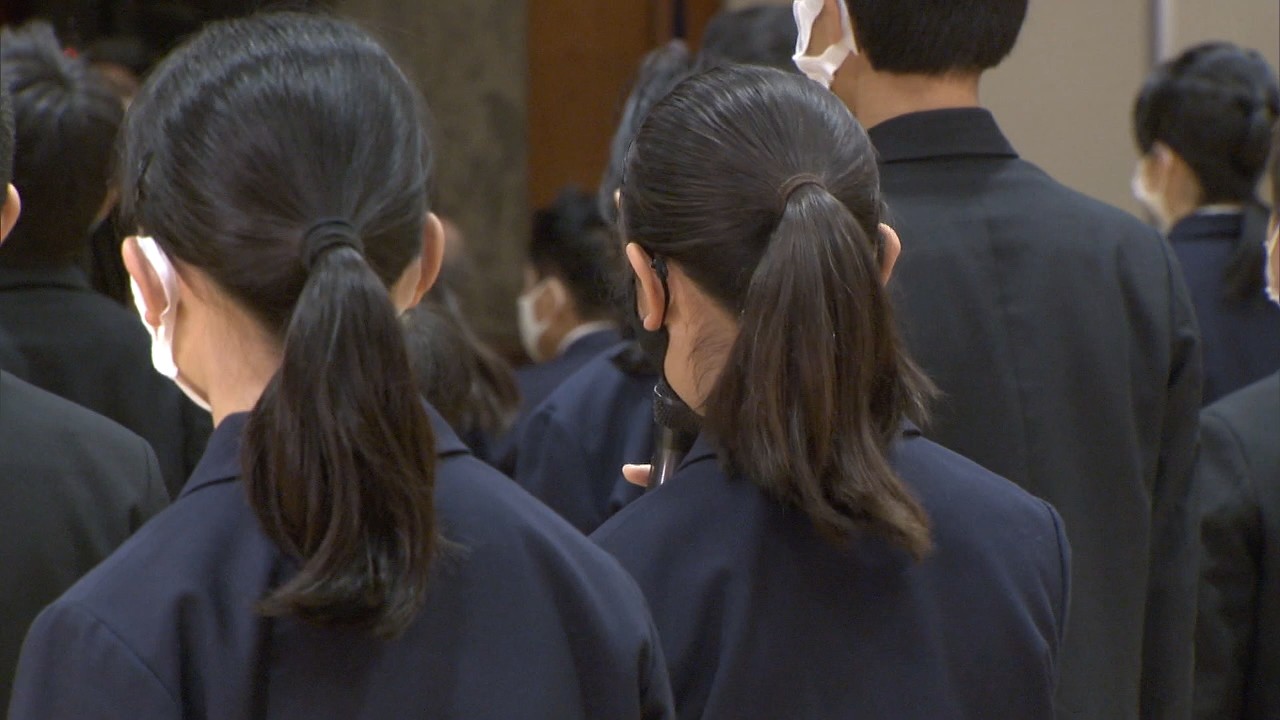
[
  {"x": 762, "y": 617},
  {"x": 1241, "y": 340},
  {"x": 524, "y": 618},
  {"x": 539, "y": 380},
  {"x": 575, "y": 443},
  {"x": 1064, "y": 342}
]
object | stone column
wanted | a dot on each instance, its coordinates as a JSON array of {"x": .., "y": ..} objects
[{"x": 469, "y": 60}]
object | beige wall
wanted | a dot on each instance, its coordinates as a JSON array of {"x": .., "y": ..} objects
[{"x": 1065, "y": 95}]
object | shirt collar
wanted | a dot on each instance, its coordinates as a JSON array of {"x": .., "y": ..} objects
[
  {"x": 221, "y": 460},
  {"x": 65, "y": 276},
  {"x": 584, "y": 331},
  {"x": 933, "y": 134}
]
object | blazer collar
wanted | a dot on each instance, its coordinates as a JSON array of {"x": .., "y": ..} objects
[
  {"x": 221, "y": 460},
  {"x": 933, "y": 134}
]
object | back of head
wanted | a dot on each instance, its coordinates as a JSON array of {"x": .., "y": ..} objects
[
  {"x": 660, "y": 71},
  {"x": 936, "y": 37},
  {"x": 764, "y": 35},
  {"x": 66, "y": 118},
  {"x": 763, "y": 189},
  {"x": 1213, "y": 105},
  {"x": 570, "y": 241},
  {"x": 283, "y": 157}
]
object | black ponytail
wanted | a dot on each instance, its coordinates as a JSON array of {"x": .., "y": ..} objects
[
  {"x": 816, "y": 383},
  {"x": 238, "y": 148},
  {"x": 339, "y": 455},
  {"x": 763, "y": 189}
]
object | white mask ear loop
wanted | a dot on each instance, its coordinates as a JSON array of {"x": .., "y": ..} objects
[
  {"x": 821, "y": 68},
  {"x": 162, "y": 337}
]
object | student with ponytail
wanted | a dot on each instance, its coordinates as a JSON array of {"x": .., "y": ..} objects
[
  {"x": 1203, "y": 122},
  {"x": 814, "y": 556},
  {"x": 338, "y": 553}
]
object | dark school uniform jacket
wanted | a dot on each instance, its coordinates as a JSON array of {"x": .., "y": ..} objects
[
  {"x": 762, "y": 617},
  {"x": 1064, "y": 342},
  {"x": 1241, "y": 339},
  {"x": 1238, "y": 487},
  {"x": 73, "y": 486},
  {"x": 86, "y": 348},
  {"x": 523, "y": 618},
  {"x": 539, "y": 380},
  {"x": 575, "y": 443}
]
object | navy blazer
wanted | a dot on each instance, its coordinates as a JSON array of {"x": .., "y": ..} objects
[
  {"x": 1241, "y": 339},
  {"x": 1238, "y": 487},
  {"x": 524, "y": 618},
  {"x": 1063, "y": 339},
  {"x": 762, "y": 617},
  {"x": 575, "y": 443},
  {"x": 538, "y": 380}
]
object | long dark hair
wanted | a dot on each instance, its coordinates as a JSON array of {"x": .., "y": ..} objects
[
  {"x": 1214, "y": 105},
  {"x": 764, "y": 190},
  {"x": 249, "y": 135}
]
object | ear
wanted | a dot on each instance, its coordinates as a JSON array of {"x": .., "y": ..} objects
[
  {"x": 149, "y": 285},
  {"x": 422, "y": 273},
  {"x": 650, "y": 299},
  {"x": 889, "y": 254},
  {"x": 10, "y": 209}
]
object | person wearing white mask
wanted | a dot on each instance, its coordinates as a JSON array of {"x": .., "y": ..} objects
[
  {"x": 1238, "y": 486},
  {"x": 566, "y": 312},
  {"x": 1059, "y": 330},
  {"x": 1202, "y": 121}
]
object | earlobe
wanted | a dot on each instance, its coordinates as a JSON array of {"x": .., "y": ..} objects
[
  {"x": 892, "y": 248},
  {"x": 149, "y": 288},
  {"x": 10, "y": 209},
  {"x": 650, "y": 299}
]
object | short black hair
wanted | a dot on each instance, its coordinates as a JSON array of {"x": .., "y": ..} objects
[
  {"x": 936, "y": 37},
  {"x": 66, "y": 118},
  {"x": 1213, "y": 105},
  {"x": 763, "y": 35},
  {"x": 6, "y": 138},
  {"x": 571, "y": 241}
]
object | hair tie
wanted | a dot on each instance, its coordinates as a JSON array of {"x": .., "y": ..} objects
[
  {"x": 795, "y": 183},
  {"x": 325, "y": 235}
]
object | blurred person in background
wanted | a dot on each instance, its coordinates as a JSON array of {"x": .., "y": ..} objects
[
  {"x": 73, "y": 484},
  {"x": 1203, "y": 123},
  {"x": 573, "y": 445},
  {"x": 75, "y": 342},
  {"x": 1238, "y": 487},
  {"x": 1059, "y": 330},
  {"x": 763, "y": 35},
  {"x": 566, "y": 314},
  {"x": 338, "y": 553}
]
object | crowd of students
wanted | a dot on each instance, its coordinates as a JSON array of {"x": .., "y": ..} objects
[{"x": 947, "y": 455}]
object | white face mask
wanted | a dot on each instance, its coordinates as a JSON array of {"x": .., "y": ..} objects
[
  {"x": 1150, "y": 200},
  {"x": 531, "y": 328},
  {"x": 162, "y": 337},
  {"x": 821, "y": 68}
]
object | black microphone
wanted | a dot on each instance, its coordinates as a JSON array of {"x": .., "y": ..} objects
[{"x": 676, "y": 426}]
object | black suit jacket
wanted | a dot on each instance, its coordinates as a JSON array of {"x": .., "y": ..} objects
[
  {"x": 93, "y": 352},
  {"x": 1064, "y": 342},
  {"x": 73, "y": 486},
  {"x": 1238, "y": 485}
]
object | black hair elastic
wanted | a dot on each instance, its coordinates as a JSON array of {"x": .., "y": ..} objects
[
  {"x": 795, "y": 183},
  {"x": 325, "y": 235}
]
